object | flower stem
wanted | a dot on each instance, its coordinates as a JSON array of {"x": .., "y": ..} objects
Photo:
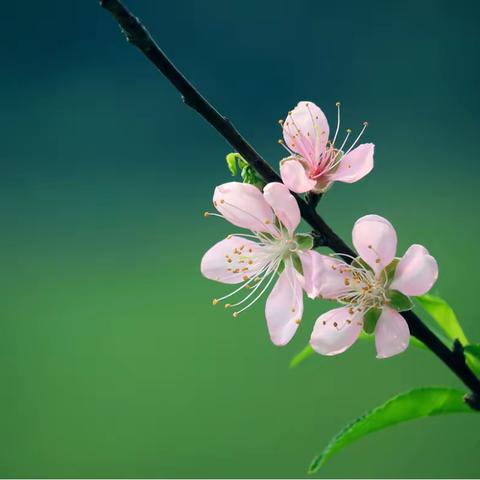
[{"x": 138, "y": 35}]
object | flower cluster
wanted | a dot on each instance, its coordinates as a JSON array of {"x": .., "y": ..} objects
[{"x": 371, "y": 288}]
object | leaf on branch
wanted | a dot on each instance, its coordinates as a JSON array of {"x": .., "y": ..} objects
[
  {"x": 308, "y": 350},
  {"x": 472, "y": 355},
  {"x": 301, "y": 356},
  {"x": 231, "y": 159},
  {"x": 474, "y": 350},
  {"x": 444, "y": 315},
  {"x": 418, "y": 403},
  {"x": 236, "y": 162}
]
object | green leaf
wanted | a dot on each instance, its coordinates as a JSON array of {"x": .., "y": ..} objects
[
  {"x": 235, "y": 162},
  {"x": 418, "y": 403},
  {"x": 231, "y": 159},
  {"x": 399, "y": 301},
  {"x": 249, "y": 175},
  {"x": 304, "y": 241},
  {"x": 444, "y": 315},
  {"x": 308, "y": 350},
  {"x": 301, "y": 356},
  {"x": 474, "y": 350},
  {"x": 472, "y": 355},
  {"x": 370, "y": 320}
]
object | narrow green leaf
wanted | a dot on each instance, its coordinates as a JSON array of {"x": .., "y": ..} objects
[
  {"x": 231, "y": 159},
  {"x": 474, "y": 350},
  {"x": 472, "y": 355},
  {"x": 444, "y": 315},
  {"x": 301, "y": 356},
  {"x": 418, "y": 403}
]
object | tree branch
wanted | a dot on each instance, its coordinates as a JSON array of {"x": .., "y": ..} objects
[{"x": 138, "y": 35}]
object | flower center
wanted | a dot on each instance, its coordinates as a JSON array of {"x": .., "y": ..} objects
[
  {"x": 258, "y": 264},
  {"x": 363, "y": 289}
]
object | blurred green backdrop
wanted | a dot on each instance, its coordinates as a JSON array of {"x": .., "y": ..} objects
[{"x": 113, "y": 362}]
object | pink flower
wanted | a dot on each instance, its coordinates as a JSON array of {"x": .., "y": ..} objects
[
  {"x": 255, "y": 259},
  {"x": 373, "y": 289},
  {"x": 315, "y": 162}
]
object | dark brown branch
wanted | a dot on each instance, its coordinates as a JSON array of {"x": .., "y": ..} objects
[{"x": 137, "y": 34}]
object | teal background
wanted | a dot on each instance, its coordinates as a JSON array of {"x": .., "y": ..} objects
[{"x": 113, "y": 363}]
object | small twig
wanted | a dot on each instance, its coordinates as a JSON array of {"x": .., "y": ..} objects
[
  {"x": 319, "y": 239},
  {"x": 138, "y": 35},
  {"x": 313, "y": 199}
]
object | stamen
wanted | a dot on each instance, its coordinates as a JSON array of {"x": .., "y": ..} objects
[
  {"x": 338, "y": 124},
  {"x": 211, "y": 214},
  {"x": 365, "y": 125},
  {"x": 261, "y": 293}
]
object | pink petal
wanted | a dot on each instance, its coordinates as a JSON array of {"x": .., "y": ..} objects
[
  {"x": 284, "y": 205},
  {"x": 295, "y": 177},
  {"x": 306, "y": 131},
  {"x": 391, "y": 334},
  {"x": 416, "y": 272},
  {"x": 375, "y": 240},
  {"x": 334, "y": 279},
  {"x": 311, "y": 262},
  {"x": 355, "y": 165},
  {"x": 223, "y": 259},
  {"x": 243, "y": 205},
  {"x": 335, "y": 331},
  {"x": 325, "y": 277},
  {"x": 284, "y": 307}
]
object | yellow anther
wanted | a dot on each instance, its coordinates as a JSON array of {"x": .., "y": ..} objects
[
  {"x": 235, "y": 314},
  {"x": 267, "y": 222},
  {"x": 245, "y": 278},
  {"x": 280, "y": 122},
  {"x": 280, "y": 141},
  {"x": 206, "y": 214},
  {"x": 337, "y": 104},
  {"x": 298, "y": 320},
  {"x": 227, "y": 305},
  {"x": 365, "y": 124},
  {"x": 214, "y": 301},
  {"x": 349, "y": 130}
]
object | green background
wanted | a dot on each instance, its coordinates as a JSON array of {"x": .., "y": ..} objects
[{"x": 113, "y": 363}]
